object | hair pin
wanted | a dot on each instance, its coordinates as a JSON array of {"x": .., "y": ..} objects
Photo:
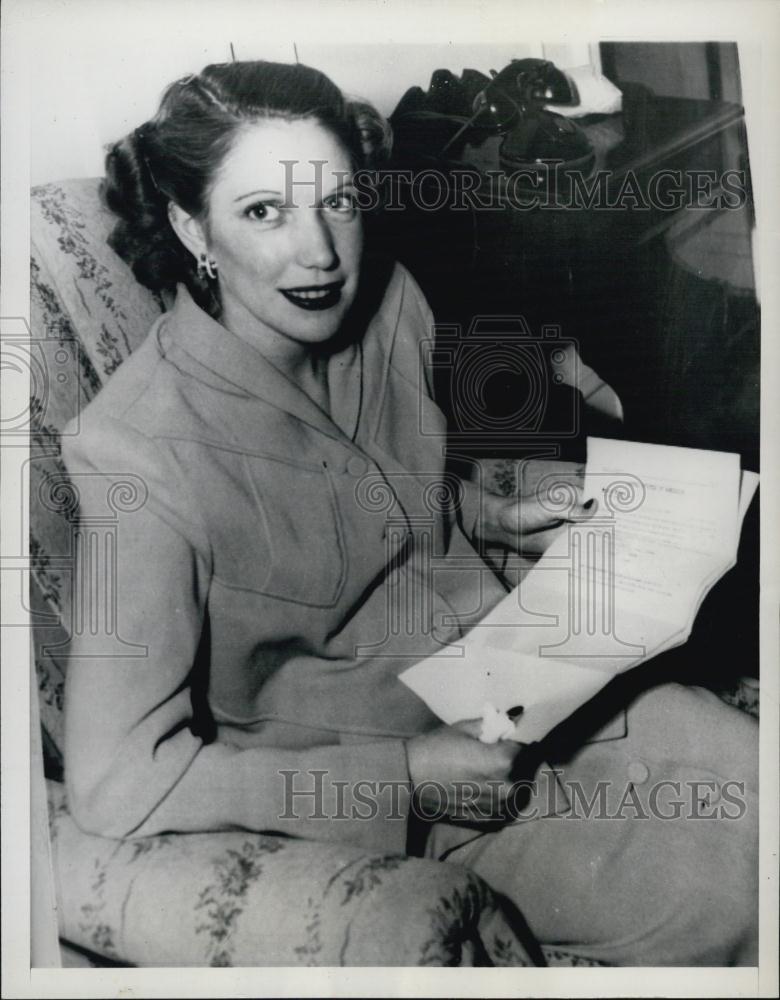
[{"x": 156, "y": 186}]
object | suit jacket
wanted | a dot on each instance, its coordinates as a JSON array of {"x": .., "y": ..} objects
[{"x": 275, "y": 571}]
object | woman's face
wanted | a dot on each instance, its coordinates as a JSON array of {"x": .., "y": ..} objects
[{"x": 285, "y": 235}]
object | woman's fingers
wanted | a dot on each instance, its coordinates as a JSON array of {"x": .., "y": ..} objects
[
  {"x": 456, "y": 775},
  {"x": 527, "y": 515},
  {"x": 537, "y": 543},
  {"x": 471, "y": 727},
  {"x": 530, "y": 526}
]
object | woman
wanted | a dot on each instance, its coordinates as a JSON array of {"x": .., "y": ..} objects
[{"x": 294, "y": 550}]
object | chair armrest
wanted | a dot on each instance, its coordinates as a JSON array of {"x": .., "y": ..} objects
[{"x": 246, "y": 899}]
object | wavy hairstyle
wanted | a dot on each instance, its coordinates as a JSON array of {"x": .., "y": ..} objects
[{"x": 176, "y": 154}]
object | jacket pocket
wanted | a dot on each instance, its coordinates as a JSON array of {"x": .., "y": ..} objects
[{"x": 287, "y": 540}]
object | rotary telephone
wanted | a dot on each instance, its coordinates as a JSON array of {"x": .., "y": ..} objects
[{"x": 437, "y": 124}]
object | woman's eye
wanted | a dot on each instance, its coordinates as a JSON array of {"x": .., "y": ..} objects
[
  {"x": 343, "y": 203},
  {"x": 263, "y": 212}
]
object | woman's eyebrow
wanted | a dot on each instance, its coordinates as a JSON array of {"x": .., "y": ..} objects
[
  {"x": 339, "y": 185},
  {"x": 267, "y": 194}
]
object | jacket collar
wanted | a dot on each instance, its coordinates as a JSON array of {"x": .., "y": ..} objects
[{"x": 372, "y": 322}]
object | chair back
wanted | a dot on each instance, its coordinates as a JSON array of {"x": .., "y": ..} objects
[{"x": 88, "y": 313}]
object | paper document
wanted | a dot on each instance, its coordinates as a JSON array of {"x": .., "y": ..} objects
[{"x": 609, "y": 593}]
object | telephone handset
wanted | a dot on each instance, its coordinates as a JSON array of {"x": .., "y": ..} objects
[{"x": 514, "y": 103}]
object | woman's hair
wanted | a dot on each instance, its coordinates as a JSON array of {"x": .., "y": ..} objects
[{"x": 175, "y": 156}]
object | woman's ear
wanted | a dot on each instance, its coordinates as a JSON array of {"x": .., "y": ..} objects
[{"x": 188, "y": 229}]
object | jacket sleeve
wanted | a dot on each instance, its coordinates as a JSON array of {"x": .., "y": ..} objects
[{"x": 134, "y": 762}]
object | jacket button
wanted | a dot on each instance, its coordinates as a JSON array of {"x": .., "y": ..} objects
[
  {"x": 638, "y": 772},
  {"x": 356, "y": 466}
]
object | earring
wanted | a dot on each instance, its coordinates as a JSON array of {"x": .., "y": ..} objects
[{"x": 207, "y": 267}]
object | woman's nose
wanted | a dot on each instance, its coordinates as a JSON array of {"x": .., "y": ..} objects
[{"x": 316, "y": 248}]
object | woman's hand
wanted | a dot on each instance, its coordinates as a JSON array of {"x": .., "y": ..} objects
[
  {"x": 457, "y": 776},
  {"x": 523, "y": 524}
]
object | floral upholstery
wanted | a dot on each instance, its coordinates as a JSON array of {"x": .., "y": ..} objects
[
  {"x": 248, "y": 899},
  {"x": 200, "y": 899},
  {"x": 88, "y": 314}
]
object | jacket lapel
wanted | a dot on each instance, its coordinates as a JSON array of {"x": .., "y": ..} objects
[{"x": 234, "y": 361}]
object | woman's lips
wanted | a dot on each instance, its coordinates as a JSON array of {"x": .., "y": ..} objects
[{"x": 314, "y": 297}]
